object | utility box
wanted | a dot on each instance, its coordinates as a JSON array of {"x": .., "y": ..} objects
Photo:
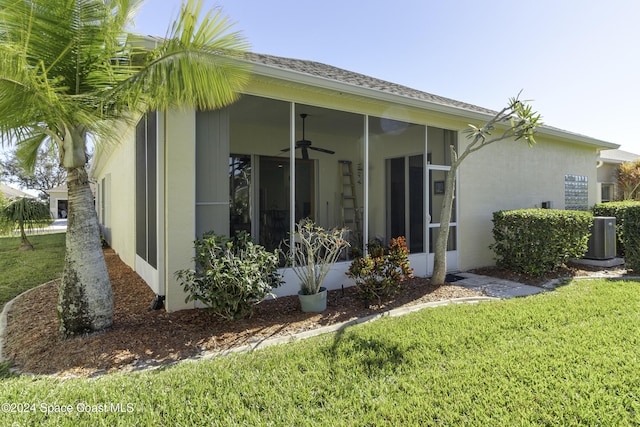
[{"x": 602, "y": 242}]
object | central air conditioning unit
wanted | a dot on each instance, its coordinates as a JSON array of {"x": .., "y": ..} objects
[{"x": 602, "y": 242}]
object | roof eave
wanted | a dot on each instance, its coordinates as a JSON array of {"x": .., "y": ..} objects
[
  {"x": 331, "y": 84},
  {"x": 327, "y": 83},
  {"x": 612, "y": 161},
  {"x": 559, "y": 133}
]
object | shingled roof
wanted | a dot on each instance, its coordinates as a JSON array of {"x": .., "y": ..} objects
[
  {"x": 357, "y": 80},
  {"x": 618, "y": 156},
  {"x": 330, "y": 72},
  {"x": 342, "y": 76}
]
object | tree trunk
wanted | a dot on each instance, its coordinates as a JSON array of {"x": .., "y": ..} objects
[
  {"x": 25, "y": 244},
  {"x": 440, "y": 253},
  {"x": 85, "y": 300}
]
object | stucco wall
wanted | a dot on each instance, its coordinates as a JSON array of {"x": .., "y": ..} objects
[
  {"x": 176, "y": 202},
  {"x": 608, "y": 173},
  {"x": 118, "y": 160},
  {"x": 511, "y": 175},
  {"x": 180, "y": 202}
]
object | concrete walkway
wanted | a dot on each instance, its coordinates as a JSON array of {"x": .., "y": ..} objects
[
  {"x": 57, "y": 226},
  {"x": 497, "y": 288}
]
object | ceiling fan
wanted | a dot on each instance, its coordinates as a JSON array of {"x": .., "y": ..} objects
[{"x": 305, "y": 144}]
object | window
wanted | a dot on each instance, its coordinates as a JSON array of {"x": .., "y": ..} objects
[
  {"x": 146, "y": 192},
  {"x": 607, "y": 193},
  {"x": 105, "y": 200},
  {"x": 104, "y": 194},
  {"x": 396, "y": 191}
]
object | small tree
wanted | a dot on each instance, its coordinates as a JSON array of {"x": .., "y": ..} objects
[
  {"x": 25, "y": 213},
  {"x": 5, "y": 227},
  {"x": 516, "y": 121},
  {"x": 629, "y": 180},
  {"x": 46, "y": 174}
]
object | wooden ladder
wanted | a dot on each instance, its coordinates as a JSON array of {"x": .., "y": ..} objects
[{"x": 349, "y": 210}]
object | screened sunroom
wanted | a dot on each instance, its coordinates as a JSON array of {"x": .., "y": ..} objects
[{"x": 264, "y": 164}]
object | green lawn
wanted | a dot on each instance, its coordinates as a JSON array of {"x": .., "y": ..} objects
[
  {"x": 20, "y": 271},
  {"x": 564, "y": 358}
]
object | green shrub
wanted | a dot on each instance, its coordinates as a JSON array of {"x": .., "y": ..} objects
[
  {"x": 381, "y": 272},
  {"x": 232, "y": 275},
  {"x": 536, "y": 241},
  {"x": 631, "y": 233},
  {"x": 617, "y": 210}
]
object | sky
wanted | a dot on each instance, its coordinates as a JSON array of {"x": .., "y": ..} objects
[{"x": 578, "y": 62}]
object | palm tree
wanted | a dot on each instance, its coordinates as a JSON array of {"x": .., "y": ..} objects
[
  {"x": 24, "y": 212},
  {"x": 70, "y": 71}
]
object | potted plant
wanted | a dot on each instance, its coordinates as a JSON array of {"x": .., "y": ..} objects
[{"x": 313, "y": 252}]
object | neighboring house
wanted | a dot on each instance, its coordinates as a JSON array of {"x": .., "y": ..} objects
[
  {"x": 12, "y": 193},
  {"x": 58, "y": 201},
  {"x": 608, "y": 163},
  {"x": 181, "y": 173}
]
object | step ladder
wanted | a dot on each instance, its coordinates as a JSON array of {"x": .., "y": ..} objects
[{"x": 350, "y": 215}]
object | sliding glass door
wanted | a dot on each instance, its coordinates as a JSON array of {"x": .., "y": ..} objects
[
  {"x": 274, "y": 206},
  {"x": 240, "y": 178},
  {"x": 406, "y": 200}
]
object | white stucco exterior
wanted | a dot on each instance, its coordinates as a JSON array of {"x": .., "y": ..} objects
[
  {"x": 113, "y": 168},
  {"x": 512, "y": 175}
]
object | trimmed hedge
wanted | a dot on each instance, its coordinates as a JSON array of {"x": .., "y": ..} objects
[
  {"x": 631, "y": 230},
  {"x": 536, "y": 241},
  {"x": 616, "y": 209}
]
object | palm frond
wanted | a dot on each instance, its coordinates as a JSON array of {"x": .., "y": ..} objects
[
  {"x": 28, "y": 210},
  {"x": 195, "y": 67},
  {"x": 23, "y": 85},
  {"x": 28, "y": 149},
  {"x": 25, "y": 213},
  {"x": 71, "y": 64}
]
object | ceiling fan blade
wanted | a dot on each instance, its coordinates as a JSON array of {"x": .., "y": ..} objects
[
  {"x": 305, "y": 153},
  {"x": 284, "y": 150},
  {"x": 324, "y": 150}
]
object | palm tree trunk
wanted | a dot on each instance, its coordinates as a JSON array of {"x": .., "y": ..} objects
[{"x": 85, "y": 300}]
